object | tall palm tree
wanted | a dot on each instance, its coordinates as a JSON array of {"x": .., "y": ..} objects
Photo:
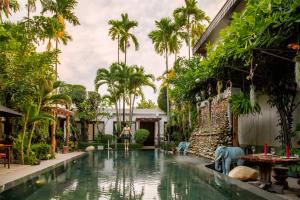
[
  {"x": 62, "y": 10},
  {"x": 31, "y": 7},
  {"x": 162, "y": 38},
  {"x": 125, "y": 35},
  {"x": 191, "y": 18},
  {"x": 6, "y": 6},
  {"x": 115, "y": 32}
]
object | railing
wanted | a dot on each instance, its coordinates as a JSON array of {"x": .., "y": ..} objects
[{"x": 227, "y": 7}]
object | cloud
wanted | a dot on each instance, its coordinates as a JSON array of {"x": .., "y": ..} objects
[{"x": 91, "y": 47}]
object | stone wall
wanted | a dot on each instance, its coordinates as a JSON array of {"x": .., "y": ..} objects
[{"x": 214, "y": 128}]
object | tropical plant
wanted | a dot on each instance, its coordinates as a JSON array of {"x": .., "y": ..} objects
[
  {"x": 126, "y": 35},
  {"x": 42, "y": 151},
  {"x": 141, "y": 136},
  {"x": 162, "y": 39},
  {"x": 162, "y": 99},
  {"x": 62, "y": 10},
  {"x": 191, "y": 18},
  {"x": 146, "y": 104},
  {"x": 104, "y": 138},
  {"x": 240, "y": 105},
  {"x": 6, "y": 6},
  {"x": 138, "y": 79},
  {"x": 110, "y": 78},
  {"x": 115, "y": 33}
]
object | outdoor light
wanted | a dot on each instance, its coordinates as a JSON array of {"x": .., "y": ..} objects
[{"x": 197, "y": 80}]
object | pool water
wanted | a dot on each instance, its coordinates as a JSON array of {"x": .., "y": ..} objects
[{"x": 128, "y": 175}]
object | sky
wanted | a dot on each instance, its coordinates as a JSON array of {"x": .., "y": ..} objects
[{"x": 91, "y": 47}]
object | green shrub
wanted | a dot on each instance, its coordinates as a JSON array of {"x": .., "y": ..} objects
[
  {"x": 103, "y": 138},
  {"x": 141, "y": 136},
  {"x": 73, "y": 145},
  {"x": 31, "y": 159},
  {"x": 42, "y": 151},
  {"x": 168, "y": 146},
  {"x": 240, "y": 105}
]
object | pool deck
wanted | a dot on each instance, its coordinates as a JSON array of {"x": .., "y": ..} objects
[{"x": 10, "y": 177}]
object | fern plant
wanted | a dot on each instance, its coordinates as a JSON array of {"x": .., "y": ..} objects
[{"x": 240, "y": 104}]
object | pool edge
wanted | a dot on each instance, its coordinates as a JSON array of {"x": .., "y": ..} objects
[
  {"x": 14, "y": 183},
  {"x": 243, "y": 185}
]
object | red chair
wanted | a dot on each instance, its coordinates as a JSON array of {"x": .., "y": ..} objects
[{"x": 3, "y": 156}]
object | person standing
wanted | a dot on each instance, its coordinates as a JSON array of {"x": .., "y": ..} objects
[{"x": 126, "y": 132}]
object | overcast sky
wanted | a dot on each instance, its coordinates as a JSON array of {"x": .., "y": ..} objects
[{"x": 92, "y": 48}]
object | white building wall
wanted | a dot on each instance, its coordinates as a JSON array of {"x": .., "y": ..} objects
[{"x": 138, "y": 113}]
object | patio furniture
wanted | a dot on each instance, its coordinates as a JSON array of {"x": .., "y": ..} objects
[
  {"x": 7, "y": 153},
  {"x": 265, "y": 163},
  {"x": 4, "y": 157},
  {"x": 280, "y": 175}
]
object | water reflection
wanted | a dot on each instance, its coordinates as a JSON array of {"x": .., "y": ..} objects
[{"x": 126, "y": 175}]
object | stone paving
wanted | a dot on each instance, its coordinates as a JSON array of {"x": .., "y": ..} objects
[
  {"x": 293, "y": 191},
  {"x": 16, "y": 172}
]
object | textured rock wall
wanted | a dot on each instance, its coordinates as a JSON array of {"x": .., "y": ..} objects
[{"x": 212, "y": 131}]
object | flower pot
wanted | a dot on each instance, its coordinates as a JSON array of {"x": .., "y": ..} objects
[{"x": 65, "y": 149}]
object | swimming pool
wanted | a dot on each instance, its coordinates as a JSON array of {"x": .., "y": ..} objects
[{"x": 132, "y": 175}]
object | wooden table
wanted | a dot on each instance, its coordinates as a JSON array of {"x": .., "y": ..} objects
[
  {"x": 265, "y": 163},
  {"x": 7, "y": 148}
]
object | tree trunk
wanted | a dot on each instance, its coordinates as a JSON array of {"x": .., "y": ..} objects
[
  {"x": 33, "y": 129},
  {"x": 167, "y": 88},
  {"x": 22, "y": 140},
  {"x": 118, "y": 49},
  {"x": 53, "y": 140},
  {"x": 132, "y": 108},
  {"x": 56, "y": 63},
  {"x": 125, "y": 53},
  {"x": 125, "y": 60},
  {"x": 189, "y": 37},
  {"x": 123, "y": 108},
  {"x": 30, "y": 138},
  {"x": 67, "y": 130},
  {"x": 118, "y": 117}
]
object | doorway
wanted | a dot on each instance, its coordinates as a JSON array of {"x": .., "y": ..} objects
[{"x": 150, "y": 126}]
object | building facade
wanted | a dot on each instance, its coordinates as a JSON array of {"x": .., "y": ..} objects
[
  {"x": 256, "y": 129},
  {"x": 153, "y": 120}
]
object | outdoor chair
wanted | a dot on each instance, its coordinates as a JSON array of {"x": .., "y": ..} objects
[{"x": 4, "y": 157}]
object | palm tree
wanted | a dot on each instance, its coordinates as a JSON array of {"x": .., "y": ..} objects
[
  {"x": 46, "y": 98},
  {"x": 63, "y": 11},
  {"x": 31, "y": 7},
  {"x": 137, "y": 80},
  {"x": 6, "y": 6},
  {"x": 111, "y": 79},
  {"x": 115, "y": 32},
  {"x": 123, "y": 74},
  {"x": 126, "y": 35},
  {"x": 162, "y": 38},
  {"x": 191, "y": 18}
]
